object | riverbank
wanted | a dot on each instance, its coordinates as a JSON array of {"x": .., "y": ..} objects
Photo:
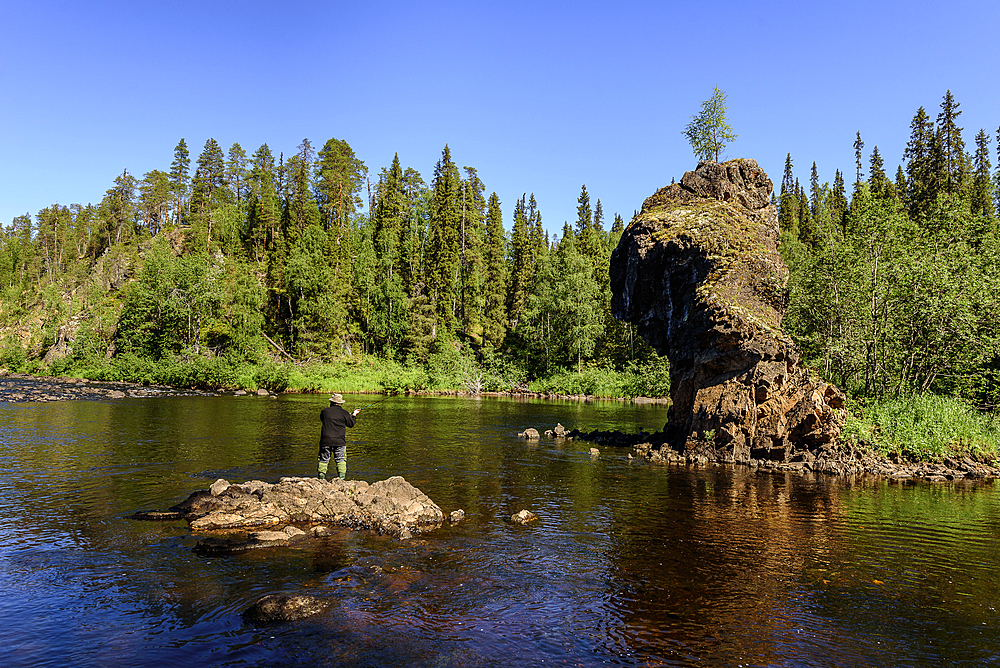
[
  {"x": 838, "y": 459},
  {"x": 22, "y": 388}
]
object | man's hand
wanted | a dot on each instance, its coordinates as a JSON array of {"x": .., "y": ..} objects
[{"x": 356, "y": 411}]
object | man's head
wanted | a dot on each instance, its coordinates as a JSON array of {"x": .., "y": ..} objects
[{"x": 337, "y": 399}]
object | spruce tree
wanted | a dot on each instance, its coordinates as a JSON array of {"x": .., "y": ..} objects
[
  {"x": 814, "y": 202},
  {"x": 920, "y": 190},
  {"x": 878, "y": 181},
  {"x": 858, "y": 145},
  {"x": 952, "y": 145},
  {"x": 495, "y": 308},
  {"x": 444, "y": 244},
  {"x": 521, "y": 264},
  {"x": 787, "y": 202},
  {"x": 981, "y": 200}
]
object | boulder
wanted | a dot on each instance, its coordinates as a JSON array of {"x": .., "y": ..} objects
[
  {"x": 698, "y": 272},
  {"x": 391, "y": 506},
  {"x": 530, "y": 434}
]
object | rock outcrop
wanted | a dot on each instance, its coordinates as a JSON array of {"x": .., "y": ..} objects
[
  {"x": 698, "y": 272},
  {"x": 269, "y": 512}
]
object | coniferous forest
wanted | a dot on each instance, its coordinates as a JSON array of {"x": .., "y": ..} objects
[{"x": 256, "y": 270}]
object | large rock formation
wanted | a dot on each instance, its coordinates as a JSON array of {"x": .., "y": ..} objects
[{"x": 698, "y": 272}]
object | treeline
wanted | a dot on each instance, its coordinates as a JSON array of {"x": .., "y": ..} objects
[
  {"x": 895, "y": 285},
  {"x": 252, "y": 258}
]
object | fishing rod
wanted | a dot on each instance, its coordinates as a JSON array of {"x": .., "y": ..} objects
[{"x": 371, "y": 404}]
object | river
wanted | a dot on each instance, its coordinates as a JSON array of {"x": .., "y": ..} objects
[{"x": 629, "y": 564}]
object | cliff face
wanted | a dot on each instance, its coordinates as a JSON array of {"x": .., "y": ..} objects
[{"x": 698, "y": 272}]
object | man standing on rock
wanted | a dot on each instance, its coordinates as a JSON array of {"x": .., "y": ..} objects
[{"x": 333, "y": 438}]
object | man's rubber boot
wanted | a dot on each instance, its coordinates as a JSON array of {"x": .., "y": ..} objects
[
  {"x": 342, "y": 470},
  {"x": 322, "y": 470}
]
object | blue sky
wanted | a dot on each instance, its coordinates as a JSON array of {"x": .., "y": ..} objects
[{"x": 539, "y": 97}]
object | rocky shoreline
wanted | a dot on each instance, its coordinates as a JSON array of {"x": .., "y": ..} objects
[
  {"x": 23, "y": 388},
  {"x": 830, "y": 458}
]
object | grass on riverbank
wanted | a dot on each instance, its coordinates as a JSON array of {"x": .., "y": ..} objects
[
  {"x": 924, "y": 428},
  {"x": 442, "y": 373}
]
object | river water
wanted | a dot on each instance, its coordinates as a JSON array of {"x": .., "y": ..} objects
[{"x": 629, "y": 564}]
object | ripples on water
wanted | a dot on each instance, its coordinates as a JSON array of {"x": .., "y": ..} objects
[{"x": 628, "y": 564}]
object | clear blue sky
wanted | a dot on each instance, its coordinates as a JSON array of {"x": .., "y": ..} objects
[{"x": 539, "y": 96}]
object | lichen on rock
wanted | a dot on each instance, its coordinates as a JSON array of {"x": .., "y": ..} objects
[{"x": 698, "y": 271}]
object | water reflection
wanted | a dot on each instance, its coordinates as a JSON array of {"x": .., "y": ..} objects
[{"x": 628, "y": 564}]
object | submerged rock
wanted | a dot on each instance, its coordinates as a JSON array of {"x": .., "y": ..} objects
[
  {"x": 698, "y": 272},
  {"x": 523, "y": 517},
  {"x": 284, "y": 608}
]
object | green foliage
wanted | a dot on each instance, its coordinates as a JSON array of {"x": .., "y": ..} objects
[
  {"x": 923, "y": 427},
  {"x": 709, "y": 132}
]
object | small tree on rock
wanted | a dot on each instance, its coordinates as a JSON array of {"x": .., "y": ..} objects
[{"x": 708, "y": 132}]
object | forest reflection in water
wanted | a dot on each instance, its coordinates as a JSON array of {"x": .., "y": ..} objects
[{"x": 628, "y": 564}]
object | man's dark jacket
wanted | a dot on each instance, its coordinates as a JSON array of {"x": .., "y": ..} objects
[{"x": 335, "y": 423}]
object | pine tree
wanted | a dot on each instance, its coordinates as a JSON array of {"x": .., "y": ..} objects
[
  {"x": 179, "y": 179},
  {"x": 236, "y": 174},
  {"x": 154, "y": 200},
  {"x": 208, "y": 190},
  {"x": 340, "y": 175},
  {"x": 263, "y": 215}
]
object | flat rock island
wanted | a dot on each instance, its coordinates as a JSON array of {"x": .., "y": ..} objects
[{"x": 273, "y": 514}]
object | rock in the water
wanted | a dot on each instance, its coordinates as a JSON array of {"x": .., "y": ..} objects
[
  {"x": 456, "y": 516},
  {"x": 530, "y": 434},
  {"x": 594, "y": 452},
  {"x": 284, "y": 608},
  {"x": 698, "y": 271},
  {"x": 391, "y": 506},
  {"x": 523, "y": 517}
]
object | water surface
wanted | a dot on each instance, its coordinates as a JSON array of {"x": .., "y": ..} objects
[{"x": 629, "y": 564}]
